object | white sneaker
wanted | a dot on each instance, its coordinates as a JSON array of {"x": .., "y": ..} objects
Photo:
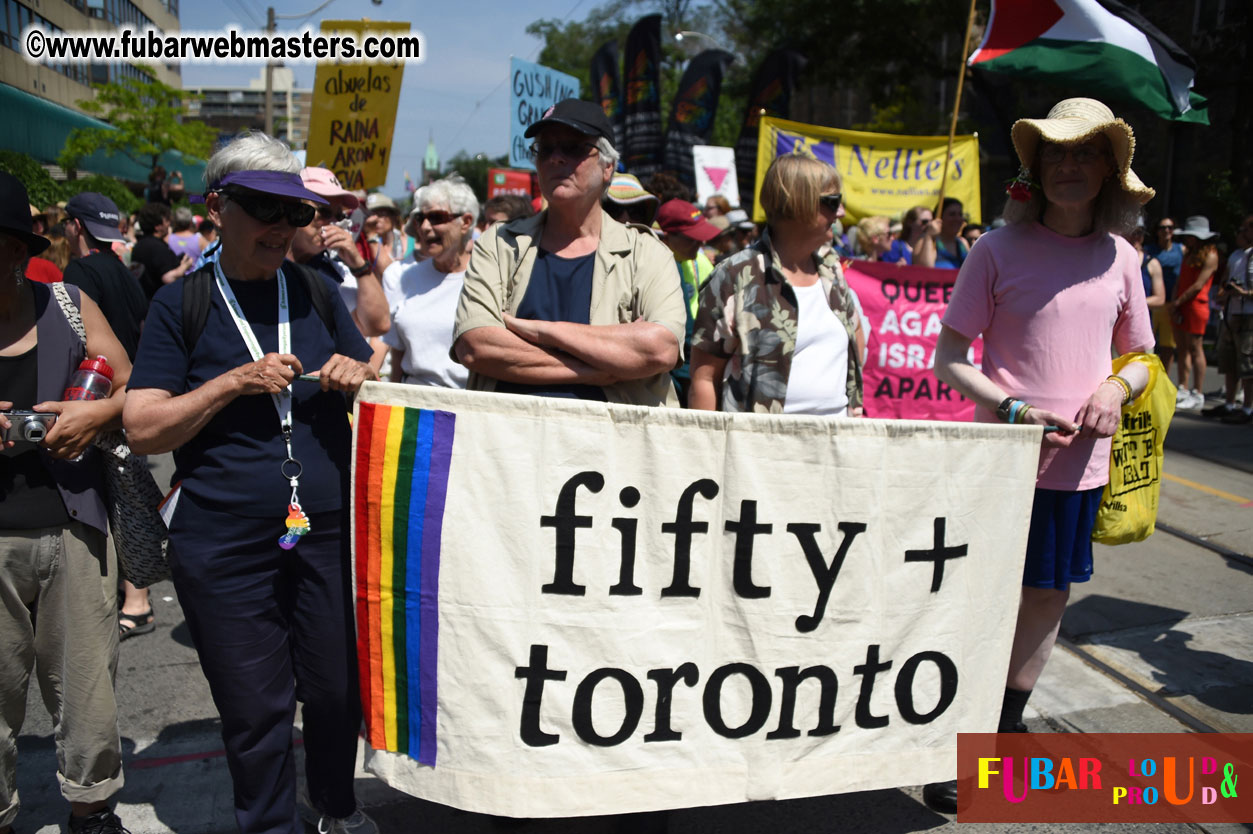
[
  {"x": 1195, "y": 400},
  {"x": 1182, "y": 395},
  {"x": 358, "y": 822}
]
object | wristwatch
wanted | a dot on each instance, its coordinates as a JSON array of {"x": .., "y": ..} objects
[{"x": 1002, "y": 410}]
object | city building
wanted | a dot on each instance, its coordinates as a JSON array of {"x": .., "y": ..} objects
[
  {"x": 41, "y": 102},
  {"x": 232, "y": 110}
]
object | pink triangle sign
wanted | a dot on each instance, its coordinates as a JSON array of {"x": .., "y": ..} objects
[{"x": 716, "y": 176}]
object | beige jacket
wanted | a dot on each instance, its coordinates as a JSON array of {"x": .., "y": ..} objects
[{"x": 634, "y": 277}]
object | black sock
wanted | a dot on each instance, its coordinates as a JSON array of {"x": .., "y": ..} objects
[{"x": 1011, "y": 710}]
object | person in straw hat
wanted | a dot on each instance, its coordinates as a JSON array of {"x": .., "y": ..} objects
[{"x": 1050, "y": 292}]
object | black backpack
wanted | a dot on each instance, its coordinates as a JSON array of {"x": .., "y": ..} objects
[{"x": 198, "y": 299}]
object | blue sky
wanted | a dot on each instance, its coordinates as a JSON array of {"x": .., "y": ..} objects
[{"x": 458, "y": 92}]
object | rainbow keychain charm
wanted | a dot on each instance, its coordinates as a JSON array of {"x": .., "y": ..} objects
[{"x": 297, "y": 526}]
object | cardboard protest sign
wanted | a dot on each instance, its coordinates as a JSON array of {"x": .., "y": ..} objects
[
  {"x": 533, "y": 89},
  {"x": 715, "y": 173},
  {"x": 569, "y": 608},
  {"x": 354, "y": 111},
  {"x": 882, "y": 173},
  {"x": 904, "y": 305}
]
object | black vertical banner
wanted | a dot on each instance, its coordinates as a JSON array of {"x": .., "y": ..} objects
[
  {"x": 692, "y": 115},
  {"x": 771, "y": 91},
  {"x": 641, "y": 149},
  {"x": 608, "y": 89}
]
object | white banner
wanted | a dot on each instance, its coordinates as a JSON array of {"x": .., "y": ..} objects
[
  {"x": 715, "y": 173},
  {"x": 570, "y": 608}
]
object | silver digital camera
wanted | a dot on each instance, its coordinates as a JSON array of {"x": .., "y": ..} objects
[{"x": 31, "y": 426}]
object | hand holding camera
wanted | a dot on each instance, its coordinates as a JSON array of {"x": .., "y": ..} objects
[{"x": 24, "y": 426}]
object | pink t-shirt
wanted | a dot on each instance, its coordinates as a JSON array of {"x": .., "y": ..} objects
[{"x": 1049, "y": 307}]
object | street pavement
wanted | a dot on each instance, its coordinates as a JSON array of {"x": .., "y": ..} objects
[{"x": 1160, "y": 641}]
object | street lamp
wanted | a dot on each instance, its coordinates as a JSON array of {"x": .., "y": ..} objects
[{"x": 270, "y": 19}]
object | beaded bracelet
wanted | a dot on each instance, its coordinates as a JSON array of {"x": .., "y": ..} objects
[{"x": 1123, "y": 384}]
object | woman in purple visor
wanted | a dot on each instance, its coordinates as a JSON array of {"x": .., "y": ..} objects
[{"x": 259, "y": 513}]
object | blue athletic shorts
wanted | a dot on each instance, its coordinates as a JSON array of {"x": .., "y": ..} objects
[{"x": 1059, "y": 544}]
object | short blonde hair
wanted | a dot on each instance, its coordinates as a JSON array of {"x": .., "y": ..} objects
[
  {"x": 792, "y": 186},
  {"x": 871, "y": 227}
]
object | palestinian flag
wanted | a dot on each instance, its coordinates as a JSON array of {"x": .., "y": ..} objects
[{"x": 1100, "y": 47}]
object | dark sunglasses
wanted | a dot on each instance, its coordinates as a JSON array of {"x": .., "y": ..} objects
[
  {"x": 568, "y": 150},
  {"x": 831, "y": 201},
  {"x": 1165, "y": 228},
  {"x": 435, "y": 218},
  {"x": 329, "y": 214},
  {"x": 268, "y": 209}
]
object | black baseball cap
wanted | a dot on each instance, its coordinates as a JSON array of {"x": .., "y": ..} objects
[
  {"x": 98, "y": 213},
  {"x": 586, "y": 117}
]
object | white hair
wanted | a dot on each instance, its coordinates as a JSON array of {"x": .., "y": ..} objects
[
  {"x": 253, "y": 151},
  {"x": 451, "y": 191},
  {"x": 609, "y": 157}
]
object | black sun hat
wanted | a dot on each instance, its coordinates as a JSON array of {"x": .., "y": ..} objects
[
  {"x": 587, "y": 117},
  {"x": 15, "y": 214}
]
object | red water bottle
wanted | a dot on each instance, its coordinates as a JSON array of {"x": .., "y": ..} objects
[{"x": 92, "y": 381}]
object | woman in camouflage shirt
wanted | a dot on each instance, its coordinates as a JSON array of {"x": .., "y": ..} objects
[{"x": 779, "y": 312}]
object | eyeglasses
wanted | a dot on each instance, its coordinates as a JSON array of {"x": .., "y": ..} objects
[
  {"x": 268, "y": 209},
  {"x": 1165, "y": 228},
  {"x": 1082, "y": 155},
  {"x": 435, "y": 218},
  {"x": 830, "y": 201},
  {"x": 330, "y": 214},
  {"x": 568, "y": 150}
]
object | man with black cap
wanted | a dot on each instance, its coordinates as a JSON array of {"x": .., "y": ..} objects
[
  {"x": 570, "y": 302},
  {"x": 90, "y": 230}
]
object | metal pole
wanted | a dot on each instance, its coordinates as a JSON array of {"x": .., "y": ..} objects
[
  {"x": 957, "y": 103},
  {"x": 269, "y": 78}
]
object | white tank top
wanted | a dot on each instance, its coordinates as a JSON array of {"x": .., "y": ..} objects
[{"x": 816, "y": 383}]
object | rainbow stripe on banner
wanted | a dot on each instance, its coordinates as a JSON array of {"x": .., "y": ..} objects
[{"x": 403, "y": 456}]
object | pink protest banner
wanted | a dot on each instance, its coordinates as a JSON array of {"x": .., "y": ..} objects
[{"x": 905, "y": 305}]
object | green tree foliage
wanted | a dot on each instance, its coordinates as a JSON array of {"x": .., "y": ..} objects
[
  {"x": 44, "y": 191},
  {"x": 42, "y": 188},
  {"x": 473, "y": 169},
  {"x": 112, "y": 188},
  {"x": 891, "y": 52},
  {"x": 147, "y": 121},
  {"x": 569, "y": 47}
]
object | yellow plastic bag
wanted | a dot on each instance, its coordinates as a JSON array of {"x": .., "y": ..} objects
[{"x": 1129, "y": 504}]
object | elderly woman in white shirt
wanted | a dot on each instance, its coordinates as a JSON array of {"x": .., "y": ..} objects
[{"x": 424, "y": 295}]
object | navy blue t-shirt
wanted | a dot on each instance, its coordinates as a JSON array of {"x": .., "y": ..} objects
[
  {"x": 234, "y": 462},
  {"x": 560, "y": 289}
]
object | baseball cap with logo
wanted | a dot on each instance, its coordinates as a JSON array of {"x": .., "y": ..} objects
[
  {"x": 682, "y": 218},
  {"x": 587, "y": 117},
  {"x": 98, "y": 214}
]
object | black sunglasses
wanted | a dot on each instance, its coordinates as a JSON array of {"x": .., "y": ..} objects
[
  {"x": 269, "y": 209},
  {"x": 329, "y": 214},
  {"x": 435, "y": 218},
  {"x": 568, "y": 150},
  {"x": 831, "y": 201}
]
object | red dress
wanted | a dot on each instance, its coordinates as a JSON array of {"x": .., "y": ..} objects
[{"x": 1193, "y": 316}]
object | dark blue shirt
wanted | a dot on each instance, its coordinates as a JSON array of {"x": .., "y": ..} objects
[
  {"x": 560, "y": 289},
  {"x": 234, "y": 462},
  {"x": 1171, "y": 260}
]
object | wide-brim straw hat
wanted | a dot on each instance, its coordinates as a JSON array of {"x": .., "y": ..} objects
[{"x": 1076, "y": 120}]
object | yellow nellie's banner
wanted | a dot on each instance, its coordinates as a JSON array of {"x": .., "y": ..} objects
[
  {"x": 354, "y": 111},
  {"x": 883, "y": 173}
]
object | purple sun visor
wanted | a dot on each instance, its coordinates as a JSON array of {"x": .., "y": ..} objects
[{"x": 279, "y": 183}]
